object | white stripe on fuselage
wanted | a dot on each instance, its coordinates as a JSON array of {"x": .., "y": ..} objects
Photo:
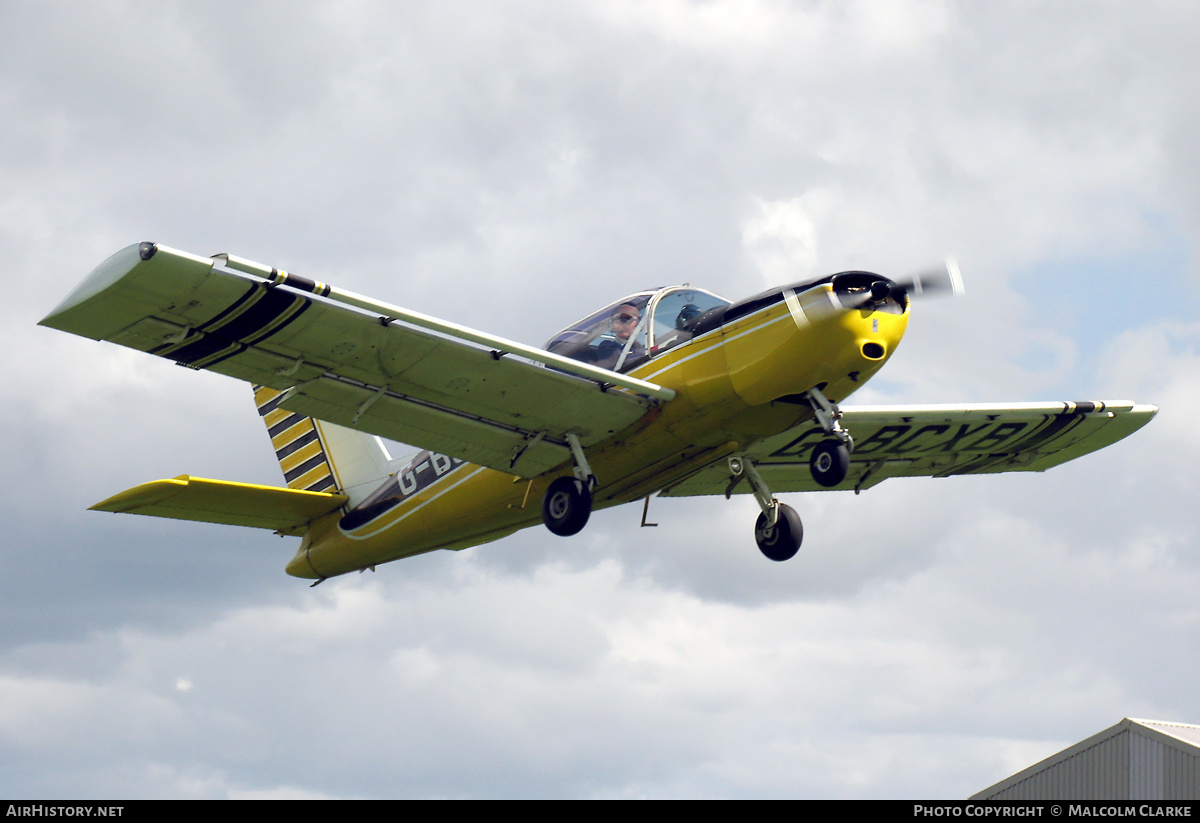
[
  {"x": 719, "y": 342},
  {"x": 387, "y": 526}
]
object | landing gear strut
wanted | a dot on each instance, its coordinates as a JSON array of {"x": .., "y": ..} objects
[
  {"x": 778, "y": 530},
  {"x": 568, "y": 501},
  {"x": 830, "y": 459}
]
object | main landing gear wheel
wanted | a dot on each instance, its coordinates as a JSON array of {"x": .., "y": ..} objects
[
  {"x": 829, "y": 463},
  {"x": 566, "y": 506},
  {"x": 781, "y": 541}
]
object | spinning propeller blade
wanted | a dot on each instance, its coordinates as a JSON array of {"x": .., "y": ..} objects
[
  {"x": 934, "y": 281},
  {"x": 868, "y": 291}
]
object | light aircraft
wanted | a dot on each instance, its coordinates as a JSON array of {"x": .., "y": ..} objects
[{"x": 673, "y": 391}]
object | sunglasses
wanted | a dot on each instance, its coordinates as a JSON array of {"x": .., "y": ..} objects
[{"x": 626, "y": 318}]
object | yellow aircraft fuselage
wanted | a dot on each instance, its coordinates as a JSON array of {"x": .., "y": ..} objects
[{"x": 734, "y": 385}]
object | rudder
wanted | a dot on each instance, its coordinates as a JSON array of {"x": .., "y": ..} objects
[{"x": 319, "y": 456}]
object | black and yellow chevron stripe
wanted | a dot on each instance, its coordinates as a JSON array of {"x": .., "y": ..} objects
[{"x": 297, "y": 442}]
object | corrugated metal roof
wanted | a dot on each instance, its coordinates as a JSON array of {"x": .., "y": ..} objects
[
  {"x": 1184, "y": 731},
  {"x": 1133, "y": 760}
]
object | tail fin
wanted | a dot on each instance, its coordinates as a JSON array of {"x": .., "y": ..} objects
[{"x": 319, "y": 456}]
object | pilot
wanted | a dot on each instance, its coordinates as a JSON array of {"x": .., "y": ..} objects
[{"x": 625, "y": 319}]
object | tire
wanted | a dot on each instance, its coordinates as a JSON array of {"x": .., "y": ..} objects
[
  {"x": 783, "y": 540},
  {"x": 829, "y": 463},
  {"x": 566, "y": 506}
]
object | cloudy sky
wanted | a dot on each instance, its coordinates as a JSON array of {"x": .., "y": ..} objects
[{"x": 512, "y": 166}]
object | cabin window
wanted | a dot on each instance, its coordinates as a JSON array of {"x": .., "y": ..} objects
[
  {"x": 676, "y": 313},
  {"x": 623, "y": 334},
  {"x": 612, "y": 338}
]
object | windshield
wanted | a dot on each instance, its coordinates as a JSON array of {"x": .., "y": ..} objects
[
  {"x": 626, "y": 332},
  {"x": 677, "y": 312},
  {"x": 612, "y": 338}
]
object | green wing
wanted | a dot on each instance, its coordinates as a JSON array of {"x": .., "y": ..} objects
[
  {"x": 935, "y": 441},
  {"x": 345, "y": 365}
]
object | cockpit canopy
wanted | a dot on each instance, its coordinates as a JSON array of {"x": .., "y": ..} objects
[{"x": 643, "y": 325}]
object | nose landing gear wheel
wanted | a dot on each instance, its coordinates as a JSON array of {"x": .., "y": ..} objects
[
  {"x": 829, "y": 463},
  {"x": 566, "y": 506},
  {"x": 781, "y": 541}
]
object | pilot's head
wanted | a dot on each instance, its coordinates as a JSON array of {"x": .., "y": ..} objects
[
  {"x": 686, "y": 315},
  {"x": 625, "y": 320}
]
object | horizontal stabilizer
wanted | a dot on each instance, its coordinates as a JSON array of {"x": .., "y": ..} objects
[{"x": 287, "y": 511}]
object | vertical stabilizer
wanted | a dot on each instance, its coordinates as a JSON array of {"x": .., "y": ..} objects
[{"x": 319, "y": 456}]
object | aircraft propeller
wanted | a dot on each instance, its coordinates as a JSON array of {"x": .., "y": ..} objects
[
  {"x": 935, "y": 281},
  {"x": 927, "y": 283}
]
